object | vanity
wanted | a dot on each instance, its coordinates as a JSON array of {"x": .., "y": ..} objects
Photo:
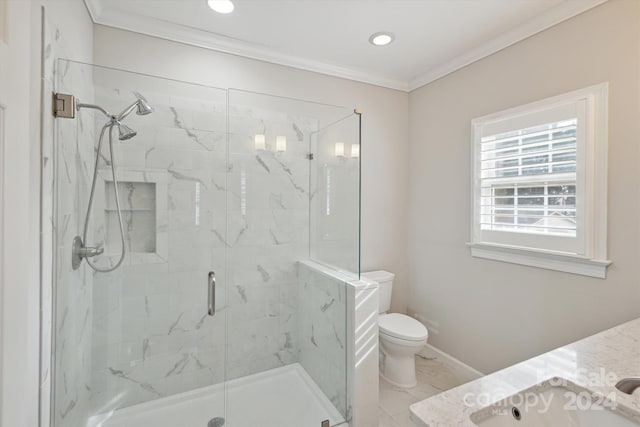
[{"x": 571, "y": 385}]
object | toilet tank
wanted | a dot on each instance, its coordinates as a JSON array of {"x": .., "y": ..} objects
[{"x": 385, "y": 282}]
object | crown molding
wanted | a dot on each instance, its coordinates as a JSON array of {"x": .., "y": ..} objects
[
  {"x": 95, "y": 9},
  {"x": 546, "y": 20},
  {"x": 218, "y": 42}
]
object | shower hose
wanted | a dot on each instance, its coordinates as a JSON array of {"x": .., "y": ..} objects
[{"x": 109, "y": 125}]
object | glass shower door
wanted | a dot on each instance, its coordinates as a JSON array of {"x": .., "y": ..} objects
[
  {"x": 335, "y": 207},
  {"x": 286, "y": 354},
  {"x": 268, "y": 235},
  {"x": 133, "y": 345},
  {"x": 256, "y": 194}
]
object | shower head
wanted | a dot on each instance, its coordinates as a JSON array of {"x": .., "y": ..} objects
[
  {"x": 125, "y": 132},
  {"x": 143, "y": 105}
]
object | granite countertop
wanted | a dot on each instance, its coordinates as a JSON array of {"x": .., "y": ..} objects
[{"x": 595, "y": 363}]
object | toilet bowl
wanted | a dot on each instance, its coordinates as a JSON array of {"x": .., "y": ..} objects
[{"x": 401, "y": 336}]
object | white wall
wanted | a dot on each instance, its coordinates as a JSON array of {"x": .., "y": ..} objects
[
  {"x": 21, "y": 262},
  {"x": 384, "y": 138},
  {"x": 19, "y": 271},
  {"x": 75, "y": 25},
  {"x": 491, "y": 314}
]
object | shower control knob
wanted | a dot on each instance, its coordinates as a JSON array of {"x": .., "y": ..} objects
[
  {"x": 79, "y": 251},
  {"x": 91, "y": 252}
]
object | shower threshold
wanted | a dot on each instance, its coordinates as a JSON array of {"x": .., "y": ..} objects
[{"x": 281, "y": 397}]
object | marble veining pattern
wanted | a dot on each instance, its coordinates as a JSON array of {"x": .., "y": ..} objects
[
  {"x": 268, "y": 232},
  {"x": 73, "y": 313},
  {"x": 51, "y": 39},
  {"x": 156, "y": 341},
  {"x": 614, "y": 352},
  {"x": 322, "y": 332},
  {"x": 142, "y": 332},
  {"x": 145, "y": 333}
]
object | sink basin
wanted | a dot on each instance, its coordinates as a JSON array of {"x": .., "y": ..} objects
[{"x": 557, "y": 402}]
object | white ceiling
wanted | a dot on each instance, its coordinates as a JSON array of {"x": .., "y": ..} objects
[{"x": 433, "y": 37}]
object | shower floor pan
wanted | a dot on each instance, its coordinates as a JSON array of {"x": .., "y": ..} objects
[{"x": 282, "y": 397}]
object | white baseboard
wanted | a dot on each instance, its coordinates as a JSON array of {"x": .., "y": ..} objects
[{"x": 473, "y": 374}]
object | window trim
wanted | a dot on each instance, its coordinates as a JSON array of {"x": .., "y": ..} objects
[{"x": 592, "y": 162}]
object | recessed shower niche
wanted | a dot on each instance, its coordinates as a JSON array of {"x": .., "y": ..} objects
[
  {"x": 143, "y": 203},
  {"x": 138, "y": 213}
]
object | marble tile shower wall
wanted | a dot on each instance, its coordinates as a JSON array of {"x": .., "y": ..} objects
[
  {"x": 322, "y": 333},
  {"x": 268, "y": 233},
  {"x": 51, "y": 41},
  {"x": 73, "y": 314},
  {"x": 197, "y": 195},
  {"x": 152, "y": 336}
]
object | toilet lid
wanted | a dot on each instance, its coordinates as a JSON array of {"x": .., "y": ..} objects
[{"x": 402, "y": 326}]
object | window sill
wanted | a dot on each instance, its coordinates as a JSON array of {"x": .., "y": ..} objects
[{"x": 548, "y": 260}]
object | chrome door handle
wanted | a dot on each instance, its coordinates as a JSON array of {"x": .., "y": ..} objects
[{"x": 211, "y": 282}]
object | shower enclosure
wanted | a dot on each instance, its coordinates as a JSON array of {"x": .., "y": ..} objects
[{"x": 216, "y": 314}]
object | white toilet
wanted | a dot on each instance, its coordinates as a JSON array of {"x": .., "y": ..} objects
[{"x": 401, "y": 336}]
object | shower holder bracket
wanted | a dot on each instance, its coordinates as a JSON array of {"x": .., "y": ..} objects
[
  {"x": 64, "y": 106},
  {"x": 76, "y": 259},
  {"x": 80, "y": 251}
]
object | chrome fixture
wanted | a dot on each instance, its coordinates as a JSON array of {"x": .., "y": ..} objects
[
  {"x": 79, "y": 251},
  {"x": 125, "y": 132},
  {"x": 62, "y": 106},
  {"x": 211, "y": 286},
  {"x": 628, "y": 385}
]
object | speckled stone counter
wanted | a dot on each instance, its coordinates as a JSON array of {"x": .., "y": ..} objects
[{"x": 595, "y": 363}]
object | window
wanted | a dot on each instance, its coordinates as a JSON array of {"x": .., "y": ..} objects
[{"x": 539, "y": 183}]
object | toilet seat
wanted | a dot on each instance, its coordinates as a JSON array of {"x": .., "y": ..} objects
[{"x": 402, "y": 327}]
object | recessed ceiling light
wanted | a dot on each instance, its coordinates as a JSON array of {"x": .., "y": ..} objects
[
  {"x": 221, "y": 6},
  {"x": 382, "y": 38}
]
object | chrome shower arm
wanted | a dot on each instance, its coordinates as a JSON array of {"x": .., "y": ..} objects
[
  {"x": 80, "y": 105},
  {"x": 127, "y": 111}
]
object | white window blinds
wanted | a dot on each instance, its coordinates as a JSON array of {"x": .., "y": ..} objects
[
  {"x": 528, "y": 179},
  {"x": 539, "y": 183}
]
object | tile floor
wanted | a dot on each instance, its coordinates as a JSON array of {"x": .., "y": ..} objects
[{"x": 434, "y": 376}]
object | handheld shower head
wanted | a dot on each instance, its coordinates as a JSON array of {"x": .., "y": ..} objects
[
  {"x": 80, "y": 249},
  {"x": 125, "y": 132},
  {"x": 143, "y": 105}
]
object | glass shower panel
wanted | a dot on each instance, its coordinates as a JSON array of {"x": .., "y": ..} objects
[
  {"x": 141, "y": 334},
  {"x": 335, "y": 184},
  {"x": 270, "y": 160}
]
